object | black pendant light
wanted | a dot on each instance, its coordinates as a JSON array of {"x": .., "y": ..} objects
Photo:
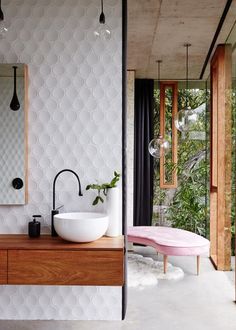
[
  {"x": 15, "y": 104},
  {"x": 3, "y": 29},
  {"x": 186, "y": 118},
  {"x": 102, "y": 31},
  {"x": 158, "y": 146}
]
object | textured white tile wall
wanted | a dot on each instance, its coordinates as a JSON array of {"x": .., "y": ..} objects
[
  {"x": 75, "y": 85},
  {"x": 12, "y": 160}
]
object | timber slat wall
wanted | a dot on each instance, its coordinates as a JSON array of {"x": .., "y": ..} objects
[{"x": 220, "y": 183}]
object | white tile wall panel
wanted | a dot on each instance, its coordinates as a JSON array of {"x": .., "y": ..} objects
[{"x": 75, "y": 108}]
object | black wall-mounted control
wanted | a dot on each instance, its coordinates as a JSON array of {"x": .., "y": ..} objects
[{"x": 17, "y": 183}]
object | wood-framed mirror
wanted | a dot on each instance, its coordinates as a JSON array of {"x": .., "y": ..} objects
[{"x": 13, "y": 134}]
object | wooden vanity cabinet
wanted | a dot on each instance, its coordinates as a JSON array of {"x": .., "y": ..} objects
[
  {"x": 3, "y": 267},
  {"x": 52, "y": 261}
]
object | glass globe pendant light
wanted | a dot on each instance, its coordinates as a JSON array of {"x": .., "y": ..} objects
[
  {"x": 158, "y": 147},
  {"x": 186, "y": 118},
  {"x": 102, "y": 31},
  {"x": 3, "y": 28}
]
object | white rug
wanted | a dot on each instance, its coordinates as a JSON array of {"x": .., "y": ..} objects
[{"x": 144, "y": 271}]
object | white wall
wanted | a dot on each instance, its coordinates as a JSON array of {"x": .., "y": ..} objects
[
  {"x": 130, "y": 145},
  {"x": 75, "y": 86}
]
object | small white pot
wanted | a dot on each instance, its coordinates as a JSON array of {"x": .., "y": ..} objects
[{"x": 113, "y": 212}]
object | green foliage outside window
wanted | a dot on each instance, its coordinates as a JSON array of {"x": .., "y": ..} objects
[
  {"x": 187, "y": 208},
  {"x": 188, "y": 205}
]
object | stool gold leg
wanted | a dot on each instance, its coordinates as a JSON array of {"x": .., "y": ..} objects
[
  {"x": 165, "y": 263},
  {"x": 198, "y": 265}
]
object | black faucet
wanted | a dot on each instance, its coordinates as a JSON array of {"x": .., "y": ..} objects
[{"x": 54, "y": 209}]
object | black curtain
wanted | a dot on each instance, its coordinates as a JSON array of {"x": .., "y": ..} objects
[{"x": 143, "y": 161}]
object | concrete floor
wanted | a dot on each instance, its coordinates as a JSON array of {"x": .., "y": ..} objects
[
  {"x": 231, "y": 275},
  {"x": 202, "y": 302}
]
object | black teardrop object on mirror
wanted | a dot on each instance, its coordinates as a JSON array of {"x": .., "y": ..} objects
[{"x": 15, "y": 104}]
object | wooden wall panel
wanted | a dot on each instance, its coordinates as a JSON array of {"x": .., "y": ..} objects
[
  {"x": 214, "y": 121},
  {"x": 220, "y": 183},
  {"x": 3, "y": 267},
  {"x": 213, "y": 226}
]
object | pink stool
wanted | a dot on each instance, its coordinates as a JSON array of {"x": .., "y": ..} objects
[{"x": 170, "y": 241}]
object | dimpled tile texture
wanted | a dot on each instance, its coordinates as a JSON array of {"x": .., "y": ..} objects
[
  {"x": 75, "y": 101},
  {"x": 12, "y": 160}
]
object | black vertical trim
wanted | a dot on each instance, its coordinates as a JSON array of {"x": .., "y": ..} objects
[
  {"x": 219, "y": 27},
  {"x": 143, "y": 162},
  {"x": 124, "y": 106}
]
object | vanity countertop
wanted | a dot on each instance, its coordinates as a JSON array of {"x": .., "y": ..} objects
[
  {"x": 46, "y": 242},
  {"x": 53, "y": 261}
]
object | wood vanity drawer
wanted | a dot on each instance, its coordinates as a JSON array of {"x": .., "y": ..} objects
[
  {"x": 3, "y": 267},
  {"x": 56, "y": 267}
]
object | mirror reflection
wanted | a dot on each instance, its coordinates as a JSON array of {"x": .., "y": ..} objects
[{"x": 13, "y": 164}]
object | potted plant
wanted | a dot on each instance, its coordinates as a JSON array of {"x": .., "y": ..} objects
[
  {"x": 102, "y": 189},
  {"x": 110, "y": 191}
]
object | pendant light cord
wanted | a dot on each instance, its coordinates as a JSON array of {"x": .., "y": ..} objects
[
  {"x": 101, "y": 5},
  {"x": 159, "y": 135},
  {"x": 159, "y": 79},
  {"x": 159, "y": 72},
  {"x": 187, "y": 76},
  {"x": 187, "y": 67},
  {"x": 187, "y": 84}
]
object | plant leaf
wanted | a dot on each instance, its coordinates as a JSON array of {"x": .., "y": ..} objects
[
  {"x": 101, "y": 199},
  {"x": 96, "y": 200}
]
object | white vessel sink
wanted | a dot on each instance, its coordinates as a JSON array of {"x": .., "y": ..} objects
[{"x": 81, "y": 226}]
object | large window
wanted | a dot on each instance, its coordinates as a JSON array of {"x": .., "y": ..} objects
[{"x": 186, "y": 206}]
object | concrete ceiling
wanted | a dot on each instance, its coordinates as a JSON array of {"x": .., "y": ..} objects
[{"x": 158, "y": 29}]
